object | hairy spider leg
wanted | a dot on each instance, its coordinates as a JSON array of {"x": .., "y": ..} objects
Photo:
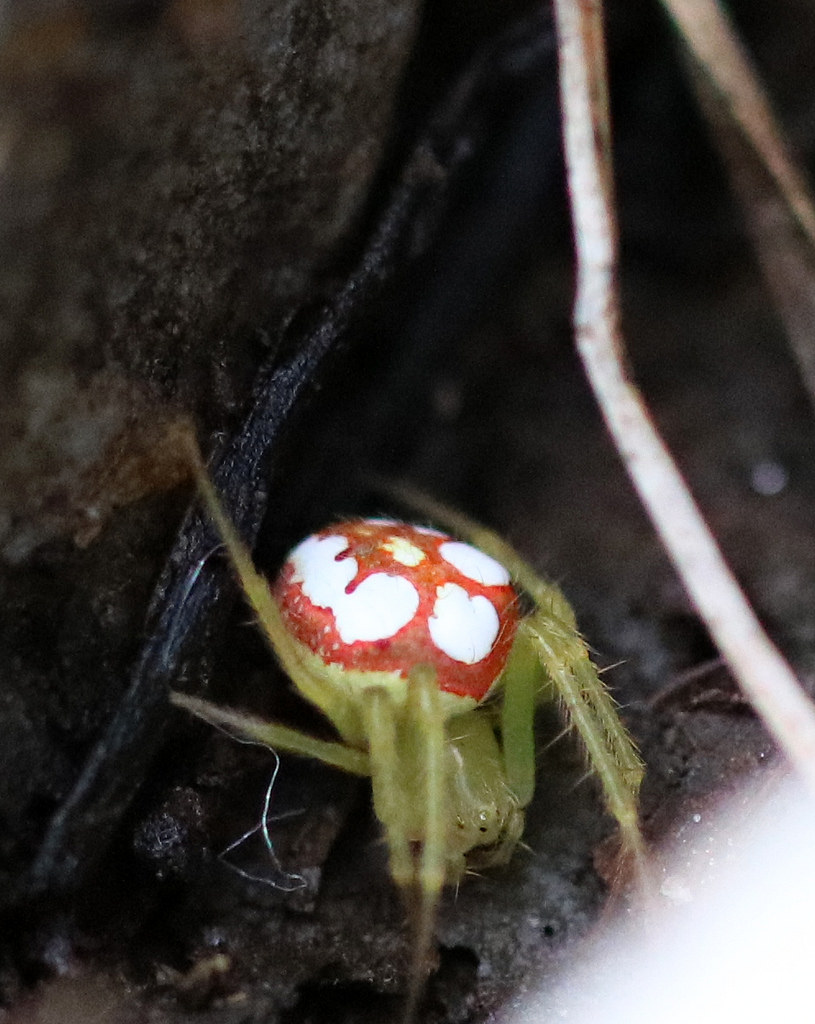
[
  {"x": 522, "y": 683},
  {"x": 551, "y": 635},
  {"x": 387, "y": 772},
  {"x": 428, "y": 733},
  {"x": 407, "y": 746},
  {"x": 256, "y": 590},
  {"x": 589, "y": 707},
  {"x": 244, "y": 726}
]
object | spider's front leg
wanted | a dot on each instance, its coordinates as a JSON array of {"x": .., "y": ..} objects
[
  {"x": 407, "y": 744},
  {"x": 251, "y": 729}
]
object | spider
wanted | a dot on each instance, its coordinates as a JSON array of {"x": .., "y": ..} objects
[{"x": 429, "y": 654}]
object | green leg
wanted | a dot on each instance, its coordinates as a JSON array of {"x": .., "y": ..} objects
[
  {"x": 522, "y": 682},
  {"x": 255, "y": 587},
  {"x": 425, "y": 730},
  {"x": 426, "y": 722},
  {"x": 278, "y": 737},
  {"x": 591, "y": 710},
  {"x": 407, "y": 745},
  {"x": 388, "y": 769}
]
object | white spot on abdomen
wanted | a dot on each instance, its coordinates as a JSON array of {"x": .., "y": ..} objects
[
  {"x": 375, "y": 610},
  {"x": 318, "y": 571},
  {"x": 320, "y": 574},
  {"x": 463, "y": 627},
  {"x": 474, "y": 564}
]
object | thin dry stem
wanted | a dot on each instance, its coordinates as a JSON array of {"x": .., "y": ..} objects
[
  {"x": 716, "y": 47},
  {"x": 785, "y": 253},
  {"x": 762, "y": 672}
]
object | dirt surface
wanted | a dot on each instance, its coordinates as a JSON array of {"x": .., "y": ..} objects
[{"x": 461, "y": 378}]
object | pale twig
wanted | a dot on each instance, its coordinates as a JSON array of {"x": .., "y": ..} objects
[
  {"x": 776, "y": 200},
  {"x": 713, "y": 43},
  {"x": 786, "y": 257},
  {"x": 762, "y": 672}
]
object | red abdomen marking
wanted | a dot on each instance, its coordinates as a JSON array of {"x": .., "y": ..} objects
[{"x": 375, "y": 595}]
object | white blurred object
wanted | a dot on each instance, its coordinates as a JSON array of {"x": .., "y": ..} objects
[{"x": 734, "y": 941}]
